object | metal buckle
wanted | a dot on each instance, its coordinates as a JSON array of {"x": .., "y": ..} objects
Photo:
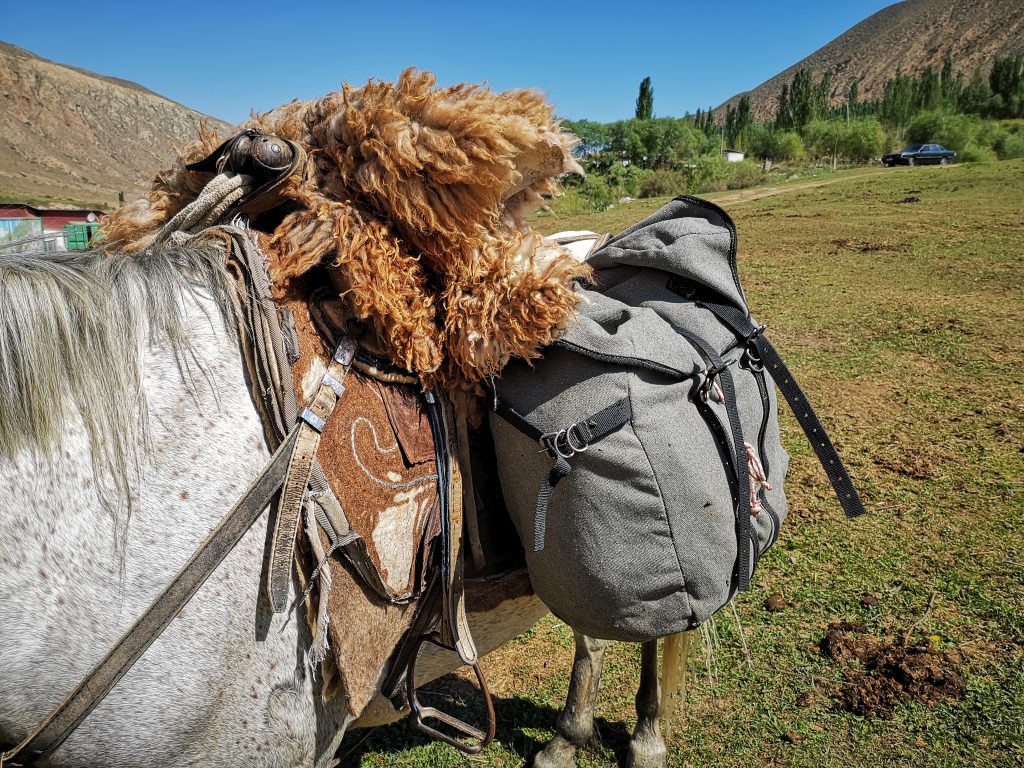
[
  {"x": 565, "y": 443},
  {"x": 345, "y": 351},
  {"x": 316, "y": 422},
  {"x": 420, "y": 713},
  {"x": 752, "y": 355}
]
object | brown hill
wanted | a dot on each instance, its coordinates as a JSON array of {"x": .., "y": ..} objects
[
  {"x": 904, "y": 38},
  {"x": 70, "y": 134}
]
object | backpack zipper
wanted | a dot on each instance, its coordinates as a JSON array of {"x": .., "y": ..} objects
[{"x": 624, "y": 360}]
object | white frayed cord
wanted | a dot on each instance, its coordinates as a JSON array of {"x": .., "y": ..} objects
[
  {"x": 758, "y": 480},
  {"x": 318, "y": 650},
  {"x": 222, "y": 191}
]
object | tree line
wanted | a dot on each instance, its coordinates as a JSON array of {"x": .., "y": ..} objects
[{"x": 647, "y": 154}]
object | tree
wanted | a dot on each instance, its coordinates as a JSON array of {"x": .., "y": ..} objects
[
  {"x": 784, "y": 112},
  {"x": 801, "y": 98},
  {"x": 593, "y": 136},
  {"x": 645, "y": 101},
  {"x": 898, "y": 102},
  {"x": 1007, "y": 83},
  {"x": 743, "y": 121},
  {"x": 729, "y": 129}
]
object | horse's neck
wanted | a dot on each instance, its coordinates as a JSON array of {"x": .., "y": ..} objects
[
  {"x": 197, "y": 431},
  {"x": 66, "y": 584}
]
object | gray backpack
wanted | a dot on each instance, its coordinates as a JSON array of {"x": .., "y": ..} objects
[{"x": 640, "y": 458}]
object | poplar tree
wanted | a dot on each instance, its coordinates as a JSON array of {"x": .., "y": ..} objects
[{"x": 645, "y": 101}]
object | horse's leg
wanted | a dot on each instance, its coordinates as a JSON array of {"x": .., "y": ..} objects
[
  {"x": 646, "y": 748},
  {"x": 576, "y": 723}
]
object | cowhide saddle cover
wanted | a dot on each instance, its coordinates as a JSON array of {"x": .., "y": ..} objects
[{"x": 377, "y": 452}]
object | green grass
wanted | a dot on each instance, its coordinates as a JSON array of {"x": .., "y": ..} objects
[
  {"x": 897, "y": 300},
  {"x": 49, "y": 201}
]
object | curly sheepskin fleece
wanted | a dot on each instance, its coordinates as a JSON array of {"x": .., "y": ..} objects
[{"x": 413, "y": 198}]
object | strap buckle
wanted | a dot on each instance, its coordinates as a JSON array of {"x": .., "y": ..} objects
[
  {"x": 567, "y": 442},
  {"x": 710, "y": 377},
  {"x": 420, "y": 713},
  {"x": 751, "y": 354}
]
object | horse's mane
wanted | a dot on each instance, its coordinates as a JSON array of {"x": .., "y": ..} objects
[{"x": 73, "y": 329}]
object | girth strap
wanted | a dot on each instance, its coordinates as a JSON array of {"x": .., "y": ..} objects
[{"x": 454, "y": 628}]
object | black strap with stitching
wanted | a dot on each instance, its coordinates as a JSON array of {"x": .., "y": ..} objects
[{"x": 744, "y": 327}]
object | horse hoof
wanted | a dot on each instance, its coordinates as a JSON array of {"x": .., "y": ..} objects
[
  {"x": 558, "y": 753},
  {"x": 656, "y": 758}
]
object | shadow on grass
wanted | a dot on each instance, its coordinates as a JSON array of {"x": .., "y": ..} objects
[{"x": 522, "y": 726}]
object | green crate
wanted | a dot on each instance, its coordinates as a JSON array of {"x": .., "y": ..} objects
[{"x": 79, "y": 235}]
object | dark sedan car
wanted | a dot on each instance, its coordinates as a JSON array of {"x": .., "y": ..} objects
[{"x": 919, "y": 154}]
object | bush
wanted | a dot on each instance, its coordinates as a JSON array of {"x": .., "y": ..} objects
[
  {"x": 820, "y": 138},
  {"x": 708, "y": 173},
  {"x": 744, "y": 174},
  {"x": 766, "y": 143},
  {"x": 1010, "y": 146},
  {"x": 976, "y": 153},
  {"x": 596, "y": 190},
  {"x": 861, "y": 139},
  {"x": 956, "y": 132},
  {"x": 624, "y": 180},
  {"x": 790, "y": 147},
  {"x": 662, "y": 183},
  {"x": 857, "y": 140}
]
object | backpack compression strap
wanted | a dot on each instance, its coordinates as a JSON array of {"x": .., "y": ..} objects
[
  {"x": 769, "y": 358},
  {"x": 562, "y": 446}
]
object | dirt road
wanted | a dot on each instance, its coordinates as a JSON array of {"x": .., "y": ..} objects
[{"x": 756, "y": 193}]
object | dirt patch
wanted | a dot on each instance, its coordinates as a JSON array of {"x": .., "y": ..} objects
[
  {"x": 916, "y": 460},
  {"x": 860, "y": 246},
  {"x": 881, "y": 673}
]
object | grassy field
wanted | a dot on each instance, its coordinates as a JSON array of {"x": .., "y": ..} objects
[{"x": 896, "y": 298}]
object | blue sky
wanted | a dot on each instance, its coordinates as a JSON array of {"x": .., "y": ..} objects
[{"x": 226, "y": 59}]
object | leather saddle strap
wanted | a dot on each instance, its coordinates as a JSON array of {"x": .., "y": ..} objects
[
  {"x": 94, "y": 687},
  {"x": 312, "y": 422},
  {"x": 266, "y": 355},
  {"x": 265, "y": 350},
  {"x": 455, "y": 630},
  {"x": 465, "y": 458}
]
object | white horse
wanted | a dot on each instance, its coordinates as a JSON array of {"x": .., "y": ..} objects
[{"x": 126, "y": 432}]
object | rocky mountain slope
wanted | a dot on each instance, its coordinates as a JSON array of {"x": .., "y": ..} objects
[
  {"x": 905, "y": 37},
  {"x": 69, "y": 134}
]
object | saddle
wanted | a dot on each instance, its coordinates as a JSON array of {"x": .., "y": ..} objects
[{"x": 384, "y": 492}]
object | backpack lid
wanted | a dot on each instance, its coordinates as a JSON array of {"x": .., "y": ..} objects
[
  {"x": 689, "y": 237},
  {"x": 606, "y": 329}
]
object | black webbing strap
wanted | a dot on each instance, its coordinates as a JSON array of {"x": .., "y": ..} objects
[
  {"x": 808, "y": 420},
  {"x": 717, "y": 368},
  {"x": 559, "y": 470},
  {"x": 812, "y": 427},
  {"x": 562, "y": 446}
]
